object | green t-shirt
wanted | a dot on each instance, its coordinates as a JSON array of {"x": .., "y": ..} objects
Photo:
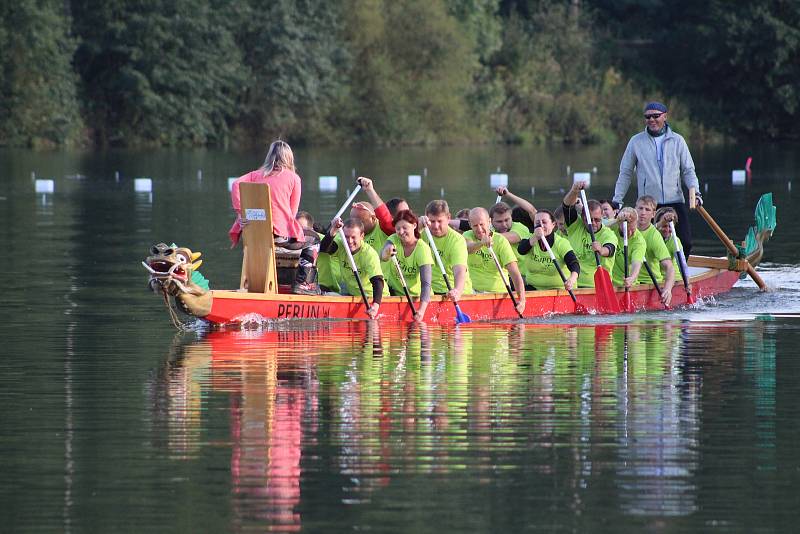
[
  {"x": 670, "y": 244},
  {"x": 581, "y": 240},
  {"x": 522, "y": 231},
  {"x": 377, "y": 239},
  {"x": 538, "y": 268},
  {"x": 656, "y": 251},
  {"x": 636, "y": 251},
  {"x": 328, "y": 269},
  {"x": 410, "y": 265},
  {"x": 482, "y": 269},
  {"x": 453, "y": 250},
  {"x": 368, "y": 264}
]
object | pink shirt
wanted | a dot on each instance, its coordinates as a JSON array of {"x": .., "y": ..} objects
[{"x": 285, "y": 191}]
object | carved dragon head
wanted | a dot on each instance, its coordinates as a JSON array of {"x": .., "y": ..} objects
[{"x": 173, "y": 272}]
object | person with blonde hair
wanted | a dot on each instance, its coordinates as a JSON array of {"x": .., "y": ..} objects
[
  {"x": 278, "y": 171},
  {"x": 662, "y": 219}
]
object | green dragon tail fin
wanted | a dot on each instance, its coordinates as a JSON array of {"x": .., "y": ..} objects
[{"x": 766, "y": 221}]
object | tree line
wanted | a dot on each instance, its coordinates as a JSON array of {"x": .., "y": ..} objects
[{"x": 240, "y": 72}]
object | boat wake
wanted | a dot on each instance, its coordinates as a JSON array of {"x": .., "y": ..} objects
[{"x": 743, "y": 303}]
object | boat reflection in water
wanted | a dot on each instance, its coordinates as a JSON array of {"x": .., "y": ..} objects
[{"x": 601, "y": 415}]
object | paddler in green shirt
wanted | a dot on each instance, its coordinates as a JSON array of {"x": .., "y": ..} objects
[
  {"x": 657, "y": 254},
  {"x": 501, "y": 216},
  {"x": 538, "y": 268},
  {"x": 661, "y": 221},
  {"x": 452, "y": 249},
  {"x": 482, "y": 268},
  {"x": 373, "y": 235},
  {"x": 637, "y": 248},
  {"x": 581, "y": 239},
  {"x": 327, "y": 270},
  {"x": 365, "y": 258},
  {"x": 414, "y": 257}
]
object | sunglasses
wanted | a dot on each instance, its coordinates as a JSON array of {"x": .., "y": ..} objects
[{"x": 653, "y": 116}]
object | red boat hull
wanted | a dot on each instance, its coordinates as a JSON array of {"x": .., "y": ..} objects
[{"x": 235, "y": 307}]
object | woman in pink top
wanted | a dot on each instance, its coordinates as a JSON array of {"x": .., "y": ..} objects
[{"x": 285, "y": 186}]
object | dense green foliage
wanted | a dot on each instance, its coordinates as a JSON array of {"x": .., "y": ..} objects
[
  {"x": 218, "y": 72},
  {"x": 38, "y": 101}
]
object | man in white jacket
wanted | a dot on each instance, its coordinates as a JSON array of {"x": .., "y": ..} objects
[{"x": 661, "y": 161}]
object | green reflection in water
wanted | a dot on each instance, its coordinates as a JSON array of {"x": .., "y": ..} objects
[{"x": 587, "y": 409}]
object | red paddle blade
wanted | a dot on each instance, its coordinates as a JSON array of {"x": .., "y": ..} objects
[
  {"x": 690, "y": 298},
  {"x": 604, "y": 292},
  {"x": 626, "y": 303}
]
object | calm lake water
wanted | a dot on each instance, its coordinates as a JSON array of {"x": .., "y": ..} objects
[{"x": 672, "y": 422}]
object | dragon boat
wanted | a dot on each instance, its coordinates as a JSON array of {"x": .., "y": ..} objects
[{"x": 173, "y": 273}]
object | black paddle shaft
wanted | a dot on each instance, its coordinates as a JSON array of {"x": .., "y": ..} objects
[
  {"x": 564, "y": 279},
  {"x": 682, "y": 269},
  {"x": 361, "y": 288},
  {"x": 408, "y": 298},
  {"x": 405, "y": 285},
  {"x": 652, "y": 276}
]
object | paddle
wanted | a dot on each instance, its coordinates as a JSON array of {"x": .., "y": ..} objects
[
  {"x": 732, "y": 250},
  {"x": 403, "y": 281},
  {"x": 579, "y": 308},
  {"x": 348, "y": 201},
  {"x": 347, "y": 246},
  {"x": 626, "y": 299},
  {"x": 505, "y": 282},
  {"x": 355, "y": 269},
  {"x": 604, "y": 289},
  {"x": 682, "y": 265},
  {"x": 461, "y": 317},
  {"x": 652, "y": 277}
]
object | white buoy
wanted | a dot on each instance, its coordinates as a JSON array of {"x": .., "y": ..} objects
[
  {"x": 569, "y": 169},
  {"x": 790, "y": 186},
  {"x": 143, "y": 185},
  {"x": 582, "y": 177},
  {"x": 116, "y": 176},
  {"x": 33, "y": 176},
  {"x": 328, "y": 183},
  {"x": 354, "y": 173},
  {"x": 414, "y": 182},
  {"x": 425, "y": 171},
  {"x": 441, "y": 192},
  {"x": 738, "y": 177},
  {"x": 705, "y": 187},
  {"x": 231, "y": 179},
  {"x": 533, "y": 191},
  {"x": 498, "y": 180},
  {"x": 594, "y": 170},
  {"x": 45, "y": 186},
  {"x": 199, "y": 174}
]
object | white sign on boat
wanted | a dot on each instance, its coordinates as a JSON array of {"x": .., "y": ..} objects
[{"x": 255, "y": 214}]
